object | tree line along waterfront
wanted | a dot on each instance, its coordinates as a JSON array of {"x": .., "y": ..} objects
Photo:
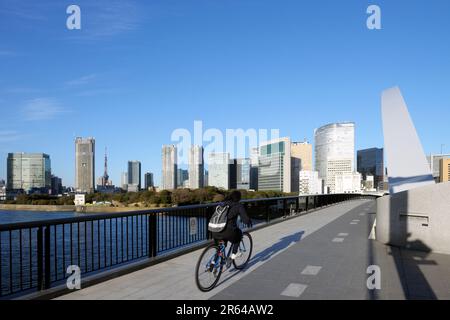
[{"x": 146, "y": 199}]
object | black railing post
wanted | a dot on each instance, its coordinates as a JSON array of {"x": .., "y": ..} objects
[
  {"x": 40, "y": 259},
  {"x": 297, "y": 205},
  {"x": 47, "y": 265},
  {"x": 152, "y": 236},
  {"x": 307, "y": 204}
]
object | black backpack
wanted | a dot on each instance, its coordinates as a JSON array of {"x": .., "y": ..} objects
[{"x": 219, "y": 219}]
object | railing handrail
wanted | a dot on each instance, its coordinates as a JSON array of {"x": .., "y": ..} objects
[{"x": 102, "y": 216}]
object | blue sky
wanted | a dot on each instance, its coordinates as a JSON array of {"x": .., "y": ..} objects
[{"x": 137, "y": 70}]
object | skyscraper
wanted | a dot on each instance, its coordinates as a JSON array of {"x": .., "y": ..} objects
[
  {"x": 301, "y": 159},
  {"x": 169, "y": 167},
  {"x": 28, "y": 171},
  {"x": 149, "y": 183},
  {"x": 371, "y": 162},
  {"x": 218, "y": 170},
  {"x": 275, "y": 165},
  {"x": 134, "y": 176},
  {"x": 335, "y": 151},
  {"x": 196, "y": 167},
  {"x": 85, "y": 165}
]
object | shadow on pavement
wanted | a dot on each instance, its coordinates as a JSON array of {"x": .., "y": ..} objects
[{"x": 266, "y": 254}]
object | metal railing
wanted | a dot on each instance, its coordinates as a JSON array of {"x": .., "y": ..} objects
[{"x": 36, "y": 255}]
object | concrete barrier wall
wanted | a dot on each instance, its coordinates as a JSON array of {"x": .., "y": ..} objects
[{"x": 416, "y": 219}]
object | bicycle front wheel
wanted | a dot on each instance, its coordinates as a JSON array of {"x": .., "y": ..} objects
[
  {"x": 245, "y": 252},
  {"x": 209, "y": 269}
]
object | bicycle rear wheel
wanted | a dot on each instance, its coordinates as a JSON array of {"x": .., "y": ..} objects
[
  {"x": 245, "y": 252},
  {"x": 209, "y": 269}
]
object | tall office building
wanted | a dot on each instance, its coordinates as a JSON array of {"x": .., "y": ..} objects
[
  {"x": 301, "y": 159},
  {"x": 134, "y": 176},
  {"x": 56, "y": 185},
  {"x": 29, "y": 172},
  {"x": 335, "y": 151},
  {"x": 218, "y": 170},
  {"x": 243, "y": 167},
  {"x": 148, "y": 180},
  {"x": 274, "y": 172},
  {"x": 196, "y": 167},
  {"x": 169, "y": 167},
  {"x": 85, "y": 165},
  {"x": 445, "y": 170},
  {"x": 371, "y": 162},
  {"x": 254, "y": 164}
]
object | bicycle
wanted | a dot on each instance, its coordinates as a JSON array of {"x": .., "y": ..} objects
[{"x": 213, "y": 259}]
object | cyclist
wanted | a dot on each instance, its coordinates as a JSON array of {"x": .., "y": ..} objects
[{"x": 232, "y": 232}]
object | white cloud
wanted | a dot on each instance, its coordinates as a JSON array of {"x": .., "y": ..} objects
[
  {"x": 82, "y": 80},
  {"x": 42, "y": 109},
  {"x": 9, "y": 136}
]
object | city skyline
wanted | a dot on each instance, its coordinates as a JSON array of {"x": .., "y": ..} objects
[{"x": 170, "y": 71}]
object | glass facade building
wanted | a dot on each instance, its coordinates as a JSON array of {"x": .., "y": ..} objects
[
  {"x": 28, "y": 171},
  {"x": 134, "y": 175},
  {"x": 274, "y": 169},
  {"x": 371, "y": 162}
]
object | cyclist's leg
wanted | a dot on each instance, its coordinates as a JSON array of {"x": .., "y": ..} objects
[{"x": 237, "y": 240}]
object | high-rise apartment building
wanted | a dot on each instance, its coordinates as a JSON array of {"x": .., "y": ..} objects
[
  {"x": 169, "y": 167},
  {"x": 371, "y": 162},
  {"x": 134, "y": 176},
  {"x": 274, "y": 172},
  {"x": 219, "y": 170},
  {"x": 335, "y": 151},
  {"x": 28, "y": 172},
  {"x": 196, "y": 167},
  {"x": 301, "y": 159},
  {"x": 85, "y": 165},
  {"x": 445, "y": 170},
  {"x": 148, "y": 181}
]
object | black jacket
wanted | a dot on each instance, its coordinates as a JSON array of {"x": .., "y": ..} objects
[{"x": 236, "y": 209}]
